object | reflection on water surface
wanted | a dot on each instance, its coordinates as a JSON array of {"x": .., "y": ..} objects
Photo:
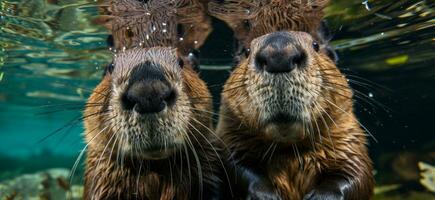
[{"x": 51, "y": 56}]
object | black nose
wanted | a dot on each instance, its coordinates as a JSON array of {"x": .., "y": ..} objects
[
  {"x": 280, "y": 54},
  {"x": 148, "y": 91}
]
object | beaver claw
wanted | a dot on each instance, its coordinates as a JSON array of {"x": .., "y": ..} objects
[
  {"x": 260, "y": 191},
  {"x": 323, "y": 194}
]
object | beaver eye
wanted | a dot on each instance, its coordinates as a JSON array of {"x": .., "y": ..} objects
[
  {"x": 246, "y": 51},
  {"x": 181, "y": 62},
  {"x": 316, "y": 46},
  {"x": 109, "y": 68},
  {"x": 143, "y": 1}
]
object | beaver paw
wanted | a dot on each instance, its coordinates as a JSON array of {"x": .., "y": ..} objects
[
  {"x": 324, "y": 194},
  {"x": 261, "y": 191}
]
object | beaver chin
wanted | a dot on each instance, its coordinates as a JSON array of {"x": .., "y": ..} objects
[
  {"x": 154, "y": 150},
  {"x": 158, "y": 152},
  {"x": 284, "y": 130},
  {"x": 152, "y": 137}
]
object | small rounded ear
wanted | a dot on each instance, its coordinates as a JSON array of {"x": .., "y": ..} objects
[
  {"x": 332, "y": 54},
  {"x": 325, "y": 35}
]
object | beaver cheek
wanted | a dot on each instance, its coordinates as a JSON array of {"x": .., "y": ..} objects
[{"x": 285, "y": 132}]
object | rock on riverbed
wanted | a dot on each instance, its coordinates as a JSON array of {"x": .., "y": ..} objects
[{"x": 52, "y": 184}]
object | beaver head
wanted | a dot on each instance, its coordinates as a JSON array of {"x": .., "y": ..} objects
[
  {"x": 145, "y": 105},
  {"x": 250, "y": 19},
  {"x": 286, "y": 87},
  {"x": 148, "y": 23}
]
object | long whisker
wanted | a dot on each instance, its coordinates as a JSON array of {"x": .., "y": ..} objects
[
  {"x": 198, "y": 164},
  {"x": 368, "y": 132}
]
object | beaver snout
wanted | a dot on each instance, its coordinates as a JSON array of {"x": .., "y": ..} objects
[
  {"x": 148, "y": 91},
  {"x": 147, "y": 97},
  {"x": 279, "y": 54}
]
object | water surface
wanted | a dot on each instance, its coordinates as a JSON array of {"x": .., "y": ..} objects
[{"x": 52, "y": 55}]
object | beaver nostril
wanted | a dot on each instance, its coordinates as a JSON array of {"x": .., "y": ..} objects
[
  {"x": 298, "y": 59},
  {"x": 261, "y": 61},
  {"x": 127, "y": 103},
  {"x": 171, "y": 97}
]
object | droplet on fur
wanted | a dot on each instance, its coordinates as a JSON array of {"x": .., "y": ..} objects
[{"x": 366, "y": 4}]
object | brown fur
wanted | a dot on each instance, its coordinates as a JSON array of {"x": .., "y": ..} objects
[
  {"x": 336, "y": 145},
  {"x": 191, "y": 171},
  {"x": 250, "y": 19},
  {"x": 170, "y": 178},
  {"x": 131, "y": 23}
]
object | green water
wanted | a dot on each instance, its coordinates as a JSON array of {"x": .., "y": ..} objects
[{"x": 51, "y": 55}]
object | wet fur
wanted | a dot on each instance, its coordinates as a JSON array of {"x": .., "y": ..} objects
[
  {"x": 131, "y": 26},
  {"x": 250, "y": 19},
  {"x": 335, "y": 148},
  {"x": 114, "y": 171},
  {"x": 109, "y": 175}
]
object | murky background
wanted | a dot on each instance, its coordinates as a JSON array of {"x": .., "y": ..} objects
[{"x": 51, "y": 55}]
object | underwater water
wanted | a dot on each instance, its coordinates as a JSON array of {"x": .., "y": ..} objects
[{"x": 52, "y": 55}]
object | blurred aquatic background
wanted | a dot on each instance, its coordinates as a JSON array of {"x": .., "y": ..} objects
[{"x": 52, "y": 55}]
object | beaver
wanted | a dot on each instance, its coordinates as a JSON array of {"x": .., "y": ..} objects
[
  {"x": 148, "y": 123},
  {"x": 250, "y": 19},
  {"x": 148, "y": 130},
  {"x": 287, "y": 116},
  {"x": 132, "y": 22}
]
